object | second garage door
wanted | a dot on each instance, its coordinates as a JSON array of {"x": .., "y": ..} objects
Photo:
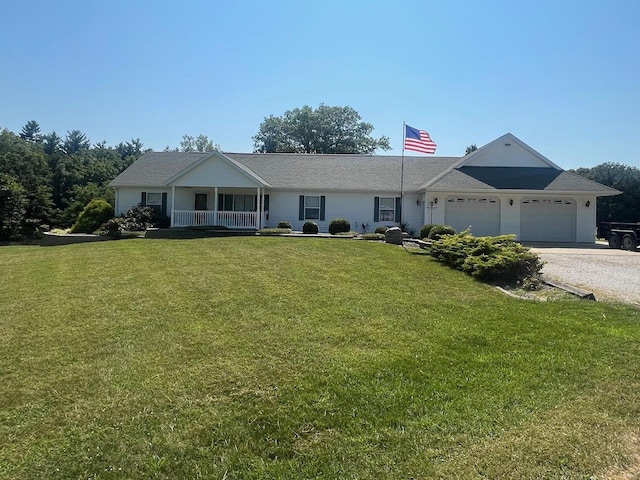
[
  {"x": 548, "y": 220},
  {"x": 482, "y": 214}
]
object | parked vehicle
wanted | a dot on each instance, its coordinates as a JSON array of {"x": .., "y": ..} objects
[{"x": 620, "y": 234}]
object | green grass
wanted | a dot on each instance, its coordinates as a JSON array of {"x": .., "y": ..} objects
[{"x": 301, "y": 358}]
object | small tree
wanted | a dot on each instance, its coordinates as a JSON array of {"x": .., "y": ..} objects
[{"x": 96, "y": 213}]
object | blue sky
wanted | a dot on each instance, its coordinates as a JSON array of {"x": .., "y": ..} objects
[{"x": 563, "y": 76}]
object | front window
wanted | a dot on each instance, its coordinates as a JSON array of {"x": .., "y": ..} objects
[
  {"x": 387, "y": 209},
  {"x": 154, "y": 200},
  {"x": 237, "y": 203},
  {"x": 311, "y": 208}
]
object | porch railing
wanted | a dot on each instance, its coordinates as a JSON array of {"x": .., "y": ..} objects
[{"x": 210, "y": 218}]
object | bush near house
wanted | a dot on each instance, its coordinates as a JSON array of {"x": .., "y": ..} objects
[
  {"x": 285, "y": 225},
  {"x": 490, "y": 259},
  {"x": 136, "y": 219},
  {"x": 96, "y": 213},
  {"x": 381, "y": 229},
  {"x": 425, "y": 229},
  {"x": 310, "y": 227},
  {"x": 339, "y": 225},
  {"x": 437, "y": 231},
  {"x": 274, "y": 231},
  {"x": 373, "y": 236}
]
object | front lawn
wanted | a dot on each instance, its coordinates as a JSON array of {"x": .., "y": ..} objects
[{"x": 266, "y": 357}]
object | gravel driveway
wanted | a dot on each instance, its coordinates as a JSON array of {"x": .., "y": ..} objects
[{"x": 609, "y": 274}]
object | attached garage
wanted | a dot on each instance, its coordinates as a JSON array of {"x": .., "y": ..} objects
[
  {"x": 482, "y": 214},
  {"x": 548, "y": 220}
]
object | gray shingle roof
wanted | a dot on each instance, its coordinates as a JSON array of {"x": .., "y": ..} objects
[
  {"x": 343, "y": 172},
  {"x": 298, "y": 171},
  {"x": 517, "y": 178},
  {"x": 154, "y": 168},
  {"x": 371, "y": 173}
]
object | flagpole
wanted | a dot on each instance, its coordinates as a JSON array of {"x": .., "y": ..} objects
[{"x": 404, "y": 132}]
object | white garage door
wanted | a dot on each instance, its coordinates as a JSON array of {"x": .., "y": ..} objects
[
  {"x": 548, "y": 220},
  {"x": 482, "y": 214}
]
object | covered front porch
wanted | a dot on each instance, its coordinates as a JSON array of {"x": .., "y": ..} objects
[{"x": 238, "y": 208}]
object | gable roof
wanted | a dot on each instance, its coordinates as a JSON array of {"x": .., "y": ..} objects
[
  {"x": 290, "y": 171},
  {"x": 374, "y": 173},
  {"x": 517, "y": 178},
  {"x": 371, "y": 173},
  {"x": 153, "y": 169}
]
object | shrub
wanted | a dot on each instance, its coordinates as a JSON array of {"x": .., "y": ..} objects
[
  {"x": 137, "y": 219},
  {"x": 425, "y": 229},
  {"x": 113, "y": 228},
  {"x": 285, "y": 225},
  {"x": 94, "y": 214},
  {"x": 437, "y": 231},
  {"x": 373, "y": 236},
  {"x": 274, "y": 231},
  {"x": 495, "y": 259},
  {"x": 310, "y": 227},
  {"x": 339, "y": 225},
  {"x": 381, "y": 229}
]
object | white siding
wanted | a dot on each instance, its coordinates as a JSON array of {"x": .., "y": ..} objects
[
  {"x": 215, "y": 171},
  {"x": 358, "y": 208},
  {"x": 510, "y": 215},
  {"x": 130, "y": 197},
  {"x": 586, "y": 220},
  {"x": 500, "y": 155}
]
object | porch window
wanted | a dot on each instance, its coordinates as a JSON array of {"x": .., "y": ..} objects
[
  {"x": 237, "y": 203},
  {"x": 387, "y": 209}
]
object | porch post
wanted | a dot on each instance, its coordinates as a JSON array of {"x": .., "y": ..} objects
[
  {"x": 259, "y": 209},
  {"x": 173, "y": 203},
  {"x": 262, "y": 213},
  {"x": 215, "y": 205}
]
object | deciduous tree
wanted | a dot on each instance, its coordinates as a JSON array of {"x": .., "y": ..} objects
[
  {"x": 619, "y": 208},
  {"x": 323, "y": 130}
]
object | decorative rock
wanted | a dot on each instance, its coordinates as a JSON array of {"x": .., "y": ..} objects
[{"x": 393, "y": 235}]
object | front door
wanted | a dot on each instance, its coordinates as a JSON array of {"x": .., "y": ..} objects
[{"x": 201, "y": 201}]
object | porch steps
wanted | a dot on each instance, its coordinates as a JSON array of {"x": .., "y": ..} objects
[{"x": 198, "y": 232}]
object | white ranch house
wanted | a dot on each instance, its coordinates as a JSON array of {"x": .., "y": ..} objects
[{"x": 503, "y": 187}]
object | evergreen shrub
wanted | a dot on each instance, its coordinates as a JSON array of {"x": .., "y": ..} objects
[
  {"x": 425, "y": 229},
  {"x": 339, "y": 225},
  {"x": 94, "y": 214},
  {"x": 381, "y": 229},
  {"x": 491, "y": 259},
  {"x": 285, "y": 225},
  {"x": 437, "y": 231},
  {"x": 310, "y": 228}
]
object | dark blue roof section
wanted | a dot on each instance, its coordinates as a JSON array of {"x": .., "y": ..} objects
[{"x": 514, "y": 178}]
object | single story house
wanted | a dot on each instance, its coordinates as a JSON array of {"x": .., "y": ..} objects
[{"x": 503, "y": 187}]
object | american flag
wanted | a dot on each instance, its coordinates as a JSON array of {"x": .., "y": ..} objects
[{"x": 418, "y": 140}]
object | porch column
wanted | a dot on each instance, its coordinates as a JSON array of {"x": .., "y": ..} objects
[
  {"x": 173, "y": 203},
  {"x": 258, "y": 209},
  {"x": 215, "y": 205},
  {"x": 262, "y": 213}
]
